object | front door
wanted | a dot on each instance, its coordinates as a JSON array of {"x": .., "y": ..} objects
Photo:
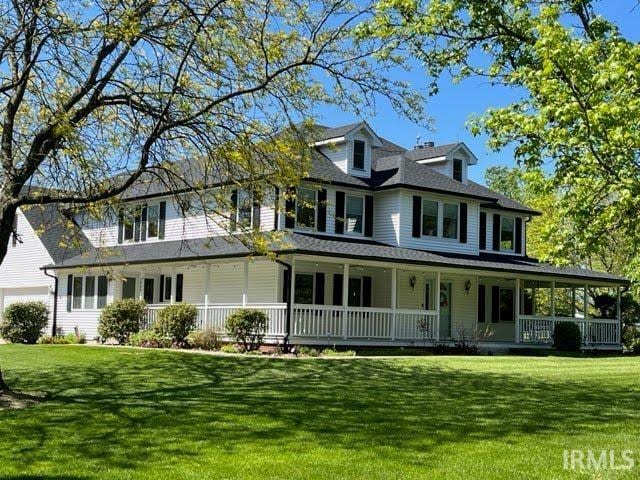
[{"x": 445, "y": 310}]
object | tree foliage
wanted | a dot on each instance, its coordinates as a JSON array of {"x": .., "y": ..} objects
[
  {"x": 577, "y": 117},
  {"x": 99, "y": 95}
]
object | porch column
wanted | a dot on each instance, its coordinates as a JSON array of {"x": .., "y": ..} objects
[
  {"x": 245, "y": 291},
  {"x": 619, "y": 315},
  {"x": 172, "y": 298},
  {"x": 586, "y": 313},
  {"x": 345, "y": 299},
  {"x": 141, "y": 286},
  {"x": 394, "y": 301},
  {"x": 207, "y": 282},
  {"x": 553, "y": 300},
  {"x": 437, "y": 300},
  {"x": 517, "y": 312},
  {"x": 292, "y": 282}
]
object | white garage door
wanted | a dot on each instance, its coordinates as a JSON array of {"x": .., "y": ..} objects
[{"x": 31, "y": 294}]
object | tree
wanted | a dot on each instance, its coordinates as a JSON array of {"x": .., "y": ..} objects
[
  {"x": 577, "y": 118},
  {"x": 102, "y": 95}
]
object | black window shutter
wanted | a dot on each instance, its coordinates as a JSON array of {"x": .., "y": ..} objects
[
  {"x": 496, "y": 231},
  {"x": 319, "y": 293},
  {"x": 417, "y": 216},
  {"x": 340, "y": 215},
  {"x": 161, "y": 222},
  {"x": 482, "y": 303},
  {"x": 483, "y": 230},
  {"x": 234, "y": 211},
  {"x": 368, "y": 216},
  {"x": 322, "y": 210},
  {"x": 161, "y": 296},
  {"x": 463, "y": 223},
  {"x": 143, "y": 225},
  {"x": 337, "y": 288},
  {"x": 69, "y": 292},
  {"x": 286, "y": 287},
  {"x": 289, "y": 208},
  {"x": 495, "y": 304},
  {"x": 137, "y": 219},
  {"x": 120, "y": 225},
  {"x": 366, "y": 291},
  {"x": 179, "y": 283},
  {"x": 256, "y": 214},
  {"x": 518, "y": 235},
  {"x": 276, "y": 208}
]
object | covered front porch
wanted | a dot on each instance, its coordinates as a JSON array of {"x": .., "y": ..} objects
[{"x": 311, "y": 300}]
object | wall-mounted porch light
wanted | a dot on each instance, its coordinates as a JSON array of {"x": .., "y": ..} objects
[
  {"x": 467, "y": 286},
  {"x": 412, "y": 282}
]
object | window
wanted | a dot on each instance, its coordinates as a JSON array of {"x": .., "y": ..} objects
[
  {"x": 507, "y": 233},
  {"x": 304, "y": 288},
  {"x": 167, "y": 288},
  {"x": 129, "y": 288},
  {"x": 84, "y": 292},
  {"x": 358, "y": 155},
  {"x": 89, "y": 292},
  {"x": 457, "y": 169},
  {"x": 102, "y": 291},
  {"x": 354, "y": 214},
  {"x": 244, "y": 209},
  {"x": 148, "y": 290},
  {"x": 449, "y": 220},
  {"x": 128, "y": 223},
  {"x": 153, "y": 220},
  {"x": 429, "y": 218},
  {"x": 77, "y": 292},
  {"x": 506, "y": 305},
  {"x": 306, "y": 208}
]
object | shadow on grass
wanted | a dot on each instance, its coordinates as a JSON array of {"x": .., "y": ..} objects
[{"x": 118, "y": 408}]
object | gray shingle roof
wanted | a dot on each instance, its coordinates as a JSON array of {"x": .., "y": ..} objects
[
  {"x": 221, "y": 247},
  {"x": 60, "y": 236},
  {"x": 426, "y": 153},
  {"x": 327, "y": 133}
]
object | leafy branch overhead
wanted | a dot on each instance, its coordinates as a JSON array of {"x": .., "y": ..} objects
[
  {"x": 98, "y": 96},
  {"x": 577, "y": 115}
]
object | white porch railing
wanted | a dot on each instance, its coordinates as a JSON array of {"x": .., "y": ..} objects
[
  {"x": 324, "y": 321},
  {"x": 215, "y": 316},
  {"x": 597, "y": 331}
]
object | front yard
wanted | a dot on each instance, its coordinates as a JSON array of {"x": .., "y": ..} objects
[{"x": 126, "y": 413}]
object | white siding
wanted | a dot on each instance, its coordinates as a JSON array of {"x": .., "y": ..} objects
[
  {"x": 438, "y": 243},
  {"x": 502, "y": 213},
  {"x": 337, "y": 153},
  {"x": 386, "y": 217},
  {"x": 366, "y": 172},
  {"x": 21, "y": 264},
  {"x": 463, "y": 304},
  {"x": 104, "y": 232}
]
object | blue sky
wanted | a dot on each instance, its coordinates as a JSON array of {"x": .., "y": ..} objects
[{"x": 454, "y": 104}]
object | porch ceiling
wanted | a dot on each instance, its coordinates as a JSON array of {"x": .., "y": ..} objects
[{"x": 353, "y": 249}]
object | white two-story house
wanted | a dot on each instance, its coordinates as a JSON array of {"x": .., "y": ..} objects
[{"x": 380, "y": 246}]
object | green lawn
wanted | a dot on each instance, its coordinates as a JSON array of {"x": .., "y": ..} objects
[{"x": 125, "y": 413}]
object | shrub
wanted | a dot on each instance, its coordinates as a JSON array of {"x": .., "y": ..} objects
[
  {"x": 69, "y": 339},
  {"x": 149, "y": 339},
  {"x": 228, "y": 348},
  {"x": 175, "y": 322},
  {"x": 120, "y": 319},
  {"x": 330, "y": 352},
  {"x": 248, "y": 327},
  {"x": 567, "y": 337},
  {"x": 305, "y": 351},
  {"x": 23, "y": 322},
  {"x": 204, "y": 339}
]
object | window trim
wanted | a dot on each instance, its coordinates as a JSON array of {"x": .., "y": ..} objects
[
  {"x": 513, "y": 233},
  {"x": 346, "y": 215},
  {"x": 438, "y": 229},
  {"x": 130, "y": 212},
  {"x": 440, "y": 226},
  {"x": 148, "y": 236},
  {"x": 83, "y": 296},
  {"x": 241, "y": 226},
  {"x": 315, "y": 210},
  {"x": 364, "y": 155}
]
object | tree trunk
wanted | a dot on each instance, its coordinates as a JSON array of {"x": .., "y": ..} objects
[
  {"x": 3, "y": 386},
  {"x": 7, "y": 217}
]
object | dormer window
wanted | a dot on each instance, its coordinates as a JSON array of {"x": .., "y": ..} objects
[
  {"x": 358, "y": 155},
  {"x": 457, "y": 169}
]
